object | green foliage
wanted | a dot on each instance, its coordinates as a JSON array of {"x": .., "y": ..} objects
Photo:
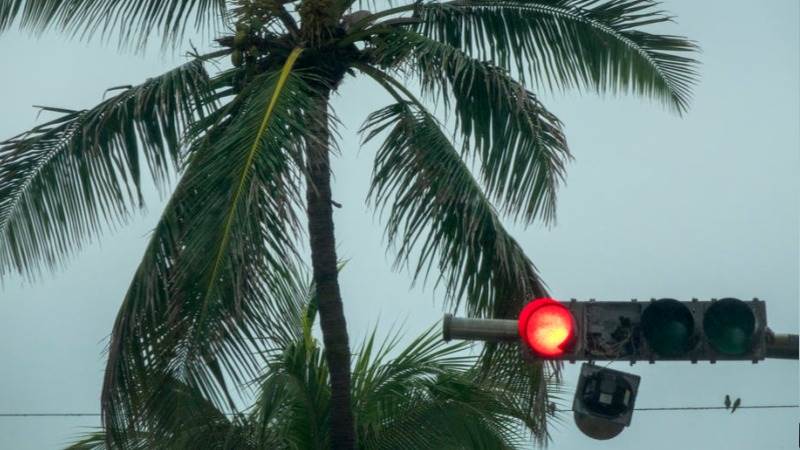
[
  {"x": 594, "y": 44},
  {"x": 214, "y": 301},
  {"x": 62, "y": 181},
  {"x": 428, "y": 395},
  {"x": 209, "y": 286},
  {"x": 134, "y": 21},
  {"x": 437, "y": 206},
  {"x": 521, "y": 146}
]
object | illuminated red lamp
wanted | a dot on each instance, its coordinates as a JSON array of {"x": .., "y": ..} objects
[{"x": 547, "y": 327}]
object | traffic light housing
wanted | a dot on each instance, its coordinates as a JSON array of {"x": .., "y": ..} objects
[
  {"x": 604, "y": 401},
  {"x": 659, "y": 330}
]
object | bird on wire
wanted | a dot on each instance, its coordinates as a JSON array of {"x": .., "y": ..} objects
[
  {"x": 736, "y": 404},
  {"x": 727, "y": 401}
]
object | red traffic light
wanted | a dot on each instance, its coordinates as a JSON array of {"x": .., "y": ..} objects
[{"x": 547, "y": 327}]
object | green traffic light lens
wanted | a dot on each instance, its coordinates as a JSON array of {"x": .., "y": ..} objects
[
  {"x": 729, "y": 325},
  {"x": 668, "y": 327}
]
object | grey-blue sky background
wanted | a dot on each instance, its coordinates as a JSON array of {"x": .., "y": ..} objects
[{"x": 655, "y": 206}]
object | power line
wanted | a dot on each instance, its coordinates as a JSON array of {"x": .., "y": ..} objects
[
  {"x": 697, "y": 408},
  {"x": 49, "y": 415},
  {"x": 664, "y": 408},
  {"x": 702, "y": 408}
]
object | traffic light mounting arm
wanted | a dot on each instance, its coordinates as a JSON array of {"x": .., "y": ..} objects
[
  {"x": 782, "y": 346},
  {"x": 492, "y": 330}
]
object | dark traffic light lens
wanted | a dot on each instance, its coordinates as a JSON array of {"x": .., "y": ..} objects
[
  {"x": 668, "y": 327},
  {"x": 729, "y": 325}
]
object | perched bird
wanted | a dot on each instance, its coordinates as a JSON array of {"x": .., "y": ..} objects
[
  {"x": 551, "y": 408},
  {"x": 736, "y": 404},
  {"x": 727, "y": 401}
]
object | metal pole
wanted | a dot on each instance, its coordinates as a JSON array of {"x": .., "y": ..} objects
[
  {"x": 782, "y": 346},
  {"x": 479, "y": 329}
]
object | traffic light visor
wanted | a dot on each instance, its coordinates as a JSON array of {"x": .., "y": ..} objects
[{"x": 547, "y": 327}]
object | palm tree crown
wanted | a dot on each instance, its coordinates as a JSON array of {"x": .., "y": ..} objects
[{"x": 251, "y": 140}]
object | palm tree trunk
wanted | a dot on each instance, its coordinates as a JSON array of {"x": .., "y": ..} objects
[{"x": 326, "y": 278}]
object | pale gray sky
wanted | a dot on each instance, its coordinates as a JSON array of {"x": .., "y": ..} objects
[{"x": 655, "y": 206}]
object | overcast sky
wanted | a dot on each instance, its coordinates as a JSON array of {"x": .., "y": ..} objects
[{"x": 655, "y": 206}]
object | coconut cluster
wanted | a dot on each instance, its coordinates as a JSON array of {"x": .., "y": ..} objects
[{"x": 244, "y": 43}]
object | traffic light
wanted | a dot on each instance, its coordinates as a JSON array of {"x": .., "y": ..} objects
[
  {"x": 604, "y": 401},
  {"x": 659, "y": 330},
  {"x": 547, "y": 327}
]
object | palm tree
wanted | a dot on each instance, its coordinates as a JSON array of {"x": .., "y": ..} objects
[
  {"x": 427, "y": 396},
  {"x": 247, "y": 141}
]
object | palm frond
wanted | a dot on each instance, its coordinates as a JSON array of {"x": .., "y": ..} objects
[
  {"x": 521, "y": 145},
  {"x": 63, "y": 181},
  {"x": 183, "y": 419},
  {"x": 449, "y": 411},
  {"x": 378, "y": 381},
  {"x": 292, "y": 409},
  {"x": 438, "y": 210},
  {"x": 595, "y": 44},
  {"x": 221, "y": 261},
  {"x": 526, "y": 388},
  {"x": 237, "y": 203},
  {"x": 428, "y": 396},
  {"x": 263, "y": 15},
  {"x": 134, "y": 21},
  {"x": 431, "y": 396},
  {"x": 180, "y": 417},
  {"x": 97, "y": 441}
]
